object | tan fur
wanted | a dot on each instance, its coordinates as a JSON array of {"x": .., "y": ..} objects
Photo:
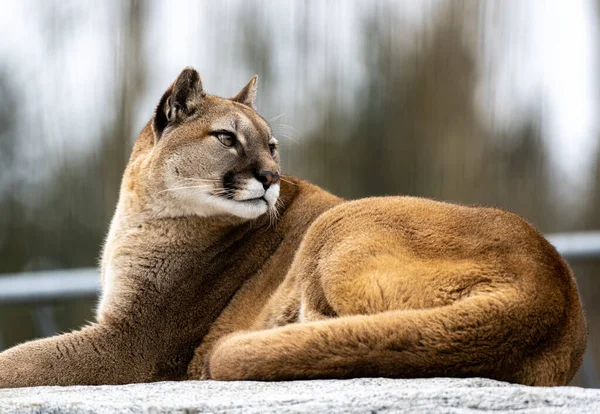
[{"x": 313, "y": 287}]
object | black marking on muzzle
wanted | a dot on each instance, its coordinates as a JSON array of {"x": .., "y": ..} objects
[{"x": 229, "y": 184}]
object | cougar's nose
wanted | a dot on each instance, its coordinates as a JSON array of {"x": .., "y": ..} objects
[{"x": 267, "y": 178}]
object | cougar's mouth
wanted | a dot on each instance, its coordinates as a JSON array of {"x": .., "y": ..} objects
[
  {"x": 233, "y": 195},
  {"x": 252, "y": 200},
  {"x": 249, "y": 192}
]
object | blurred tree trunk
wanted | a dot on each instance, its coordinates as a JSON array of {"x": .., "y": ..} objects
[
  {"x": 416, "y": 130},
  {"x": 130, "y": 81}
]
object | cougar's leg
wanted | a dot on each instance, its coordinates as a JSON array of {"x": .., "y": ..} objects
[{"x": 96, "y": 354}]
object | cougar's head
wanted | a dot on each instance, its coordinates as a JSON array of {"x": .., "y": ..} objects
[{"x": 214, "y": 155}]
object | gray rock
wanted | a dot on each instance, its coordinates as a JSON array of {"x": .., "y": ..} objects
[{"x": 374, "y": 395}]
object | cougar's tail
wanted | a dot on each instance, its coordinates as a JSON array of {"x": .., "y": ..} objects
[{"x": 484, "y": 335}]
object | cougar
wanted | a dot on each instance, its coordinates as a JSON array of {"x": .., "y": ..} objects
[{"x": 218, "y": 267}]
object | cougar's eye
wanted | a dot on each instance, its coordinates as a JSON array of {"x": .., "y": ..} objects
[
  {"x": 272, "y": 148},
  {"x": 227, "y": 138}
]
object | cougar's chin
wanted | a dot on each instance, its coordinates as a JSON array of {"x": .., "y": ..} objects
[
  {"x": 271, "y": 195},
  {"x": 248, "y": 209}
]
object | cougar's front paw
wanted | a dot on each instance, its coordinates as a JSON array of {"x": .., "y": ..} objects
[{"x": 15, "y": 373}]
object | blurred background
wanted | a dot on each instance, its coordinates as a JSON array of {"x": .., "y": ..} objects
[{"x": 477, "y": 102}]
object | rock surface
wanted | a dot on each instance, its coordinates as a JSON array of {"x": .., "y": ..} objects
[{"x": 375, "y": 395}]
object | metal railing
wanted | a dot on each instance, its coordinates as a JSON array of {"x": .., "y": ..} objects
[
  {"x": 579, "y": 246},
  {"x": 36, "y": 287},
  {"x": 41, "y": 289}
]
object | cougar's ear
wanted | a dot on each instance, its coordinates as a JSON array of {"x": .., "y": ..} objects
[
  {"x": 247, "y": 95},
  {"x": 182, "y": 98}
]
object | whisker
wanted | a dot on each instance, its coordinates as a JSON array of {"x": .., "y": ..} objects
[
  {"x": 287, "y": 181},
  {"x": 276, "y": 117},
  {"x": 278, "y": 204},
  {"x": 287, "y": 137},
  {"x": 212, "y": 190},
  {"x": 273, "y": 216},
  {"x": 199, "y": 179},
  {"x": 287, "y": 126},
  {"x": 221, "y": 191},
  {"x": 184, "y": 188}
]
